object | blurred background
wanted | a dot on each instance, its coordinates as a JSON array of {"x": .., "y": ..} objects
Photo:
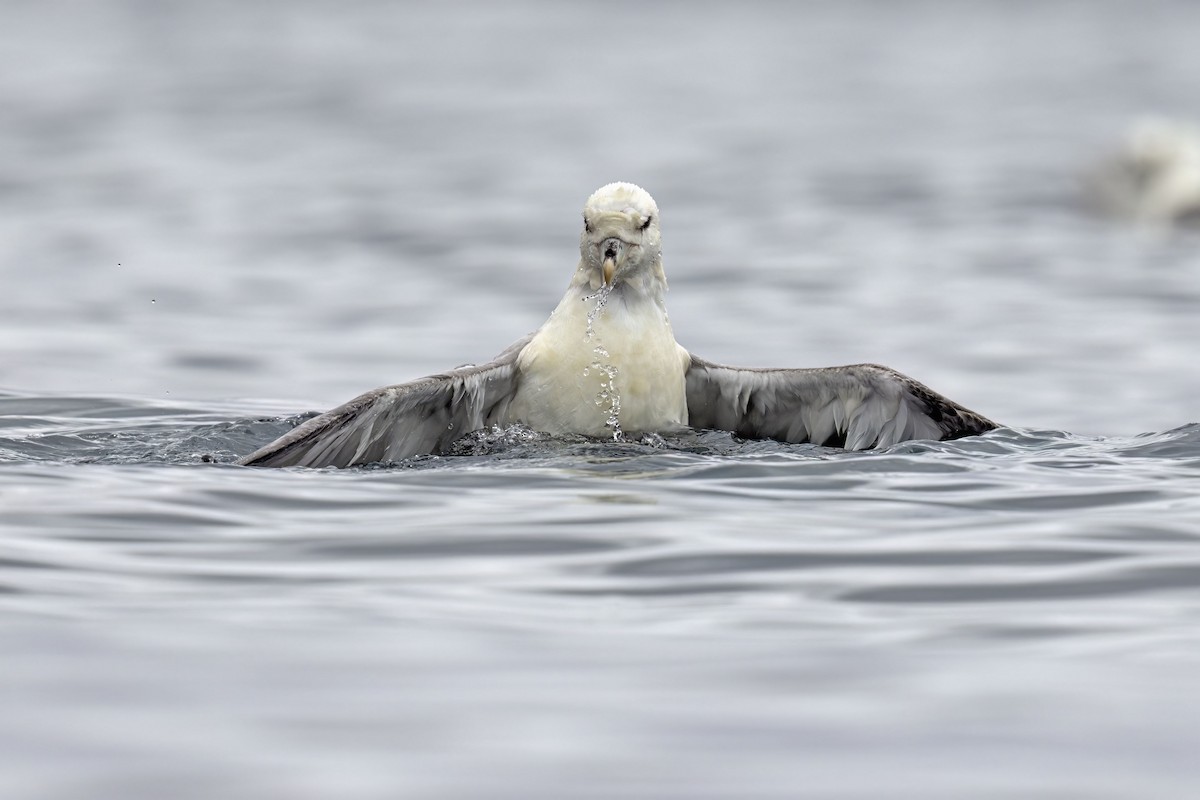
[
  {"x": 216, "y": 213},
  {"x": 295, "y": 202}
]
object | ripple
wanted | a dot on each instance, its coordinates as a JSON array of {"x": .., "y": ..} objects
[
  {"x": 725, "y": 563},
  {"x": 1146, "y": 580},
  {"x": 1016, "y": 515},
  {"x": 460, "y": 547}
]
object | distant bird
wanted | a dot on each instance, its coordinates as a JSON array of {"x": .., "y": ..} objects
[
  {"x": 1154, "y": 179},
  {"x": 606, "y": 365}
]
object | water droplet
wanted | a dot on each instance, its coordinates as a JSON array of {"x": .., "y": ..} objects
[{"x": 608, "y": 395}]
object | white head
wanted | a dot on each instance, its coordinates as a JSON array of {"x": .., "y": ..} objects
[{"x": 621, "y": 241}]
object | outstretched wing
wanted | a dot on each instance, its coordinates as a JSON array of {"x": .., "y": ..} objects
[
  {"x": 855, "y": 407},
  {"x": 400, "y": 421}
]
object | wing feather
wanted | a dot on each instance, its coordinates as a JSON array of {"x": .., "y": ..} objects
[
  {"x": 401, "y": 421},
  {"x": 857, "y": 407}
]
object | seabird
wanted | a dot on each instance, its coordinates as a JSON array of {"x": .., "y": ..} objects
[
  {"x": 1154, "y": 179},
  {"x": 606, "y": 365}
]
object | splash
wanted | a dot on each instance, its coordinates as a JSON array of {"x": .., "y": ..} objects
[
  {"x": 609, "y": 395},
  {"x": 601, "y": 298},
  {"x": 608, "y": 398}
]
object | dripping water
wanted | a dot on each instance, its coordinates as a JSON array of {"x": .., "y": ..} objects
[{"x": 608, "y": 398}]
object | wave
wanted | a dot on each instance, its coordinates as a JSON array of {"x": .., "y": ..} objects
[{"x": 115, "y": 430}]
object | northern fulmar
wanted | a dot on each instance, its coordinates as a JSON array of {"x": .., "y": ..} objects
[{"x": 606, "y": 365}]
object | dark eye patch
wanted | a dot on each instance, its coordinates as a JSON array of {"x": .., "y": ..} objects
[
  {"x": 587, "y": 224},
  {"x": 646, "y": 224}
]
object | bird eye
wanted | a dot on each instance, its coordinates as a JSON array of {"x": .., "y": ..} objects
[
  {"x": 587, "y": 224},
  {"x": 646, "y": 224}
]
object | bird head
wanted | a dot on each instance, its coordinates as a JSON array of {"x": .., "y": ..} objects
[{"x": 621, "y": 240}]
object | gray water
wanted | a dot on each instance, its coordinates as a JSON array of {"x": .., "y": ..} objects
[{"x": 217, "y": 216}]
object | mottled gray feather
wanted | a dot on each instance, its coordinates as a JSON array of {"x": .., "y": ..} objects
[
  {"x": 856, "y": 407},
  {"x": 396, "y": 422}
]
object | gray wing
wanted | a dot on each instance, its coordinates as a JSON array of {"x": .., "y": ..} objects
[
  {"x": 396, "y": 422},
  {"x": 855, "y": 407}
]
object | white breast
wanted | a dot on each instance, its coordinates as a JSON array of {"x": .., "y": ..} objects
[{"x": 622, "y": 370}]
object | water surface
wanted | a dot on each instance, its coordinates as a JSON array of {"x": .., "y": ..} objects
[{"x": 218, "y": 217}]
